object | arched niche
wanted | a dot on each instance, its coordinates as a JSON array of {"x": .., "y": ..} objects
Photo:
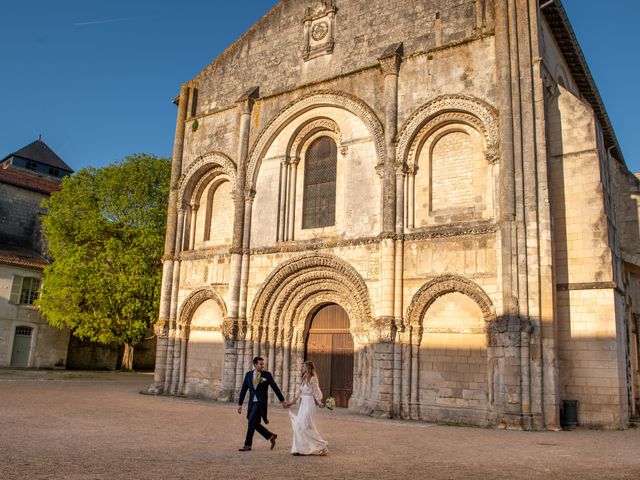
[
  {"x": 201, "y": 321},
  {"x": 279, "y": 177}
]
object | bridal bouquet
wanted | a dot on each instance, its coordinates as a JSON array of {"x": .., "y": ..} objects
[{"x": 330, "y": 403}]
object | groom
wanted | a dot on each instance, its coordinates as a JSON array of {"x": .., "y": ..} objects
[{"x": 257, "y": 382}]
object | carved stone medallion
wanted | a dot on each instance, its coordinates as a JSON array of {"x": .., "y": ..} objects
[{"x": 319, "y": 31}]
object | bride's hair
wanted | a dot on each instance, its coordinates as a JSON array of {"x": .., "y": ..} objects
[{"x": 311, "y": 368}]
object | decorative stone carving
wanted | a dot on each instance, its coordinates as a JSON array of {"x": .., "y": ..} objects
[
  {"x": 390, "y": 59},
  {"x": 319, "y": 27},
  {"x": 200, "y": 167},
  {"x": 441, "y": 111},
  {"x": 319, "y": 31},
  {"x": 308, "y": 276},
  {"x": 161, "y": 328},
  {"x": 229, "y": 328},
  {"x": 304, "y": 104},
  {"x": 309, "y": 129},
  {"x": 383, "y": 330}
]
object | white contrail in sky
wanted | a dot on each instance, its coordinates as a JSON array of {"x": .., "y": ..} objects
[{"x": 98, "y": 22}]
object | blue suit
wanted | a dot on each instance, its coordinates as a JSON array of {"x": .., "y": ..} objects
[{"x": 257, "y": 408}]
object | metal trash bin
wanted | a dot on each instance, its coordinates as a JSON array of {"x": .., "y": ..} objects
[{"x": 569, "y": 414}]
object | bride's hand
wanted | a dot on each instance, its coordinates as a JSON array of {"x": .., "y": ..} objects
[{"x": 321, "y": 405}]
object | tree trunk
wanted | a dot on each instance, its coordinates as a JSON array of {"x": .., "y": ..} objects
[{"x": 127, "y": 357}]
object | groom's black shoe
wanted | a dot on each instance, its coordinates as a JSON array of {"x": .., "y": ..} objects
[
  {"x": 245, "y": 449},
  {"x": 273, "y": 440}
]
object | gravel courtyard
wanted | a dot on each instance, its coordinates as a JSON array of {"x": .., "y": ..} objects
[{"x": 92, "y": 425}]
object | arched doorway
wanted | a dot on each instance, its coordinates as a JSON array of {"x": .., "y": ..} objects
[{"x": 330, "y": 346}]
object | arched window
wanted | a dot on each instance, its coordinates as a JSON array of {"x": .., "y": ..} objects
[{"x": 319, "y": 202}]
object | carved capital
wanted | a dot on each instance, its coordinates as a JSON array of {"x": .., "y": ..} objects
[
  {"x": 161, "y": 328},
  {"x": 247, "y": 99},
  {"x": 380, "y": 170},
  {"x": 383, "y": 330},
  {"x": 294, "y": 161},
  {"x": 492, "y": 154},
  {"x": 229, "y": 328},
  {"x": 401, "y": 169},
  {"x": 249, "y": 195},
  {"x": 391, "y": 59}
]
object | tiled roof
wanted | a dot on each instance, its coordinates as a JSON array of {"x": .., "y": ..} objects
[
  {"x": 22, "y": 257},
  {"x": 40, "y": 152},
  {"x": 28, "y": 180}
]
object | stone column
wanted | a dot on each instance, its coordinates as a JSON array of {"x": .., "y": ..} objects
[
  {"x": 411, "y": 192},
  {"x": 162, "y": 327},
  {"x": 174, "y": 367},
  {"x": 291, "y": 227},
  {"x": 250, "y": 196},
  {"x": 398, "y": 289},
  {"x": 414, "y": 406},
  {"x": 192, "y": 226},
  {"x": 235, "y": 323},
  {"x": 550, "y": 384},
  {"x": 388, "y": 395},
  {"x": 525, "y": 226},
  {"x": 282, "y": 204}
]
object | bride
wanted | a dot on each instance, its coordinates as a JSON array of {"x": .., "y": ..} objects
[{"x": 306, "y": 439}]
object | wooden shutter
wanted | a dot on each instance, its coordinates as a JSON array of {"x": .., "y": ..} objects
[{"x": 16, "y": 288}]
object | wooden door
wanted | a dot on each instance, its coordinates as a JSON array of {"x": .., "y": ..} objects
[{"x": 330, "y": 347}]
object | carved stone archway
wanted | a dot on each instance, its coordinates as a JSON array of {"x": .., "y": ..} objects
[
  {"x": 194, "y": 300},
  {"x": 306, "y": 103},
  {"x": 280, "y": 315},
  {"x": 443, "y": 110},
  {"x": 200, "y": 167},
  {"x": 443, "y": 285}
]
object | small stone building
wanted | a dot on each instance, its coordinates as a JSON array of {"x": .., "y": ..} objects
[
  {"x": 27, "y": 177},
  {"x": 426, "y": 197}
]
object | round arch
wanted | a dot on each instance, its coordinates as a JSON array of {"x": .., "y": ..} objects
[
  {"x": 215, "y": 163},
  {"x": 308, "y": 102},
  {"x": 440, "y": 286},
  {"x": 282, "y": 310},
  {"x": 194, "y": 300},
  {"x": 444, "y": 110}
]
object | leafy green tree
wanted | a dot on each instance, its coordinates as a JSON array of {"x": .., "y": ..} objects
[{"x": 105, "y": 233}]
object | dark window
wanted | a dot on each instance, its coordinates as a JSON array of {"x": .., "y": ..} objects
[
  {"x": 29, "y": 290},
  {"x": 54, "y": 172},
  {"x": 25, "y": 331},
  {"x": 319, "y": 202},
  {"x": 31, "y": 165}
]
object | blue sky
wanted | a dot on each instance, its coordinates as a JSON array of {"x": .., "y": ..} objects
[{"x": 96, "y": 77}]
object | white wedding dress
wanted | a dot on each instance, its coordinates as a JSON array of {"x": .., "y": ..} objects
[{"x": 306, "y": 439}]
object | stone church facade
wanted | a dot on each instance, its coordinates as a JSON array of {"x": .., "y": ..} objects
[{"x": 425, "y": 197}]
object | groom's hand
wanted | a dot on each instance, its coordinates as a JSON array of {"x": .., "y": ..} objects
[
  {"x": 285, "y": 404},
  {"x": 240, "y": 410}
]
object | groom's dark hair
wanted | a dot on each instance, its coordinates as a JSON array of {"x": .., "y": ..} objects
[{"x": 257, "y": 359}]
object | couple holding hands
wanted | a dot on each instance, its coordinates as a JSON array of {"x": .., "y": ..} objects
[{"x": 306, "y": 439}]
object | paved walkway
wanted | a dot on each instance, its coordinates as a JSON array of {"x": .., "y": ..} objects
[{"x": 88, "y": 425}]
